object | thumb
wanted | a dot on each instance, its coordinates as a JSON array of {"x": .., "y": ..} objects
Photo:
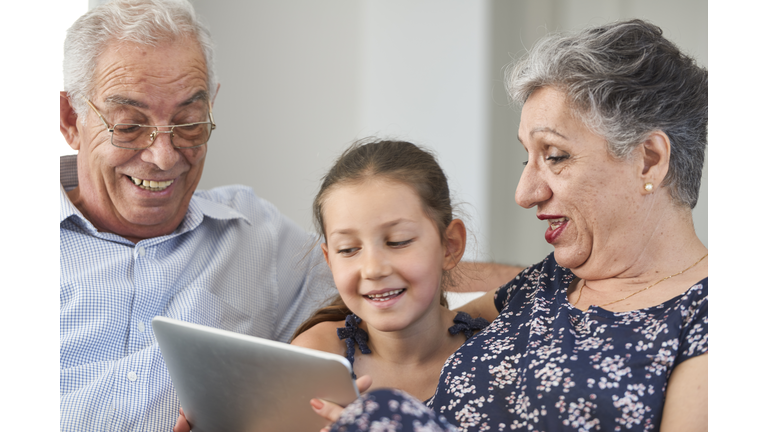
[
  {"x": 364, "y": 383},
  {"x": 327, "y": 410}
]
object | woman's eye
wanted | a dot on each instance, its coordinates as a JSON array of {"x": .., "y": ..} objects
[
  {"x": 525, "y": 163},
  {"x": 557, "y": 158},
  {"x": 400, "y": 243}
]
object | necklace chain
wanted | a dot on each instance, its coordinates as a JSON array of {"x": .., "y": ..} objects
[{"x": 643, "y": 289}]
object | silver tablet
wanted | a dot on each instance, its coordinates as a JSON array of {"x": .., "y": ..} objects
[{"x": 232, "y": 382}]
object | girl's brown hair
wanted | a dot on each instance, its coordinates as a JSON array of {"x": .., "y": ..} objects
[{"x": 397, "y": 161}]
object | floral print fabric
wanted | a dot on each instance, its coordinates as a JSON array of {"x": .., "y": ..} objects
[
  {"x": 389, "y": 411},
  {"x": 544, "y": 365}
]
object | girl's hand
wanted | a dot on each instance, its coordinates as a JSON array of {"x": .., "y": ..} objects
[
  {"x": 329, "y": 410},
  {"x": 181, "y": 423}
]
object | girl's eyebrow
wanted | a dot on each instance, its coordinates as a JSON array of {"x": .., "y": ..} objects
[{"x": 389, "y": 224}]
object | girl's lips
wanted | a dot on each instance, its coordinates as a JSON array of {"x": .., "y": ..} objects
[
  {"x": 556, "y": 227},
  {"x": 385, "y": 298}
]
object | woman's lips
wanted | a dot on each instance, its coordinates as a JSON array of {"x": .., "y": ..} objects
[{"x": 556, "y": 227}]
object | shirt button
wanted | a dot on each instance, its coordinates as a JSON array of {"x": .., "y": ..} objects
[
  {"x": 141, "y": 326},
  {"x": 141, "y": 251},
  {"x": 132, "y": 376}
]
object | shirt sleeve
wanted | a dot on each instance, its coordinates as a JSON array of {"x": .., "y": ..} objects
[
  {"x": 303, "y": 278},
  {"x": 694, "y": 337},
  {"x": 506, "y": 292}
]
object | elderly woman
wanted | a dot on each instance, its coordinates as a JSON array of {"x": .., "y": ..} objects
[{"x": 610, "y": 331}]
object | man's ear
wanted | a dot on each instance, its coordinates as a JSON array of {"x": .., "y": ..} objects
[
  {"x": 455, "y": 242},
  {"x": 655, "y": 152},
  {"x": 68, "y": 121},
  {"x": 324, "y": 247}
]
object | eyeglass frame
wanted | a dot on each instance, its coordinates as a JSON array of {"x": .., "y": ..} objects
[{"x": 153, "y": 135}]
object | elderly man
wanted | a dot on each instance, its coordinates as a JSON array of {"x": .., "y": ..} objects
[{"x": 137, "y": 239}]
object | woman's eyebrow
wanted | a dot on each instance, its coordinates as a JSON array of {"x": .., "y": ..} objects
[{"x": 546, "y": 129}]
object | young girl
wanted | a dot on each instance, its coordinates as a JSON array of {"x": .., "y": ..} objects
[{"x": 384, "y": 211}]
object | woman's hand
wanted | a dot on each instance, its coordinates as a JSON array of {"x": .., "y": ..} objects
[
  {"x": 328, "y": 410},
  {"x": 181, "y": 423}
]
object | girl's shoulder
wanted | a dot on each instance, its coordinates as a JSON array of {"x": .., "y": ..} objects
[{"x": 322, "y": 337}]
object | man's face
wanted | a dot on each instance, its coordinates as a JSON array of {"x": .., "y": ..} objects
[{"x": 137, "y": 84}]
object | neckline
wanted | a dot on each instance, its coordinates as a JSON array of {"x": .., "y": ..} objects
[{"x": 562, "y": 296}]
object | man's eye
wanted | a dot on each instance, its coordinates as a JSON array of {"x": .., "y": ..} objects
[
  {"x": 126, "y": 128},
  {"x": 397, "y": 244}
]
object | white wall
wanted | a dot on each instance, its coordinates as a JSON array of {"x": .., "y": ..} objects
[
  {"x": 424, "y": 79},
  {"x": 302, "y": 79}
]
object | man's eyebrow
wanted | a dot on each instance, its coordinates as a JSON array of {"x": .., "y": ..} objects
[
  {"x": 201, "y": 95},
  {"x": 122, "y": 100}
]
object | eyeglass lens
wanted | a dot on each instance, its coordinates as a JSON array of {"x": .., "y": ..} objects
[{"x": 138, "y": 136}]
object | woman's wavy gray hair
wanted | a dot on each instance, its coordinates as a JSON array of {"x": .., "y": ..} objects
[
  {"x": 146, "y": 22},
  {"x": 624, "y": 80}
]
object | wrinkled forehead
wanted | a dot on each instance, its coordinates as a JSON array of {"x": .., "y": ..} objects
[{"x": 170, "y": 71}]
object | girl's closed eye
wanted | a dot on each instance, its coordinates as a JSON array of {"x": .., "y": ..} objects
[
  {"x": 348, "y": 251},
  {"x": 399, "y": 244}
]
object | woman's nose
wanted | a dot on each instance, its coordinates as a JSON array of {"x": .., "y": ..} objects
[{"x": 531, "y": 189}]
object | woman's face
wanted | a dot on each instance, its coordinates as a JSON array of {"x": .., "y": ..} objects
[{"x": 590, "y": 199}]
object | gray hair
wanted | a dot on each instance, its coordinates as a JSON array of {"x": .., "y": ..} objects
[
  {"x": 624, "y": 80},
  {"x": 146, "y": 22}
]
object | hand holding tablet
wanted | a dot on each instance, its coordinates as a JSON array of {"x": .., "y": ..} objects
[{"x": 232, "y": 382}]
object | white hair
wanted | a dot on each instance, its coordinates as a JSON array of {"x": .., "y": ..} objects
[
  {"x": 625, "y": 80},
  {"x": 146, "y": 22}
]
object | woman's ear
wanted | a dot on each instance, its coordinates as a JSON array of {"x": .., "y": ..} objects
[
  {"x": 68, "y": 121},
  {"x": 455, "y": 242},
  {"x": 655, "y": 152}
]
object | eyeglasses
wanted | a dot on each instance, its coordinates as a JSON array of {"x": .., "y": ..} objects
[{"x": 139, "y": 137}]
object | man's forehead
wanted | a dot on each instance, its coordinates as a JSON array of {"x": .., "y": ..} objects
[{"x": 172, "y": 73}]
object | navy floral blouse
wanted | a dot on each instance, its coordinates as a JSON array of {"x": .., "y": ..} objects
[{"x": 544, "y": 365}]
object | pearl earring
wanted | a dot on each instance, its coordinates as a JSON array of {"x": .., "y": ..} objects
[{"x": 648, "y": 187}]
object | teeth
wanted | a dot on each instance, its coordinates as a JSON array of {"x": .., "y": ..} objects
[
  {"x": 151, "y": 185},
  {"x": 555, "y": 223},
  {"x": 383, "y": 296}
]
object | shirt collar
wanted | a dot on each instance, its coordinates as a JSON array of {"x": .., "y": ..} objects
[{"x": 199, "y": 207}]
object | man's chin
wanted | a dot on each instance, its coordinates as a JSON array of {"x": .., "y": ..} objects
[{"x": 152, "y": 222}]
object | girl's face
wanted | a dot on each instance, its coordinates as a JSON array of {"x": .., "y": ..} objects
[{"x": 385, "y": 253}]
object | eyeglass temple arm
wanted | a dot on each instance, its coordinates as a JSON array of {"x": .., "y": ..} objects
[
  {"x": 210, "y": 114},
  {"x": 97, "y": 113}
]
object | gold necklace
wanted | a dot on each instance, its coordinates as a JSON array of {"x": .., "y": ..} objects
[{"x": 641, "y": 290}]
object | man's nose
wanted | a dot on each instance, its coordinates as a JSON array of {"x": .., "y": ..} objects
[{"x": 161, "y": 153}]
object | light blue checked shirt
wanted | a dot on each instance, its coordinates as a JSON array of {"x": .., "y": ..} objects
[{"x": 234, "y": 263}]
